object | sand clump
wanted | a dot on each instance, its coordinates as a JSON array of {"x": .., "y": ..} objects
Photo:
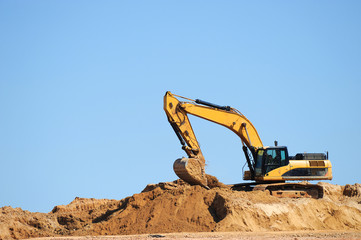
[
  {"x": 178, "y": 207},
  {"x": 352, "y": 190}
]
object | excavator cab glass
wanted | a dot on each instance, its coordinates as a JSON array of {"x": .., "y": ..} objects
[
  {"x": 275, "y": 158},
  {"x": 269, "y": 159},
  {"x": 259, "y": 163}
]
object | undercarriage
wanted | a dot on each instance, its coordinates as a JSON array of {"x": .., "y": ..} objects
[{"x": 282, "y": 189}]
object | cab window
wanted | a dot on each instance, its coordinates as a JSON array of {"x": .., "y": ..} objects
[
  {"x": 259, "y": 163},
  {"x": 274, "y": 158},
  {"x": 283, "y": 158}
]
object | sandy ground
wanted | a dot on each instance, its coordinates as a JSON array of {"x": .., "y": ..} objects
[
  {"x": 284, "y": 235},
  {"x": 176, "y": 210}
]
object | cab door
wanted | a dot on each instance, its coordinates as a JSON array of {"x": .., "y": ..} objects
[
  {"x": 274, "y": 158},
  {"x": 258, "y": 170}
]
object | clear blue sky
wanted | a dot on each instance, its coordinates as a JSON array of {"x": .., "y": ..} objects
[{"x": 82, "y": 85}]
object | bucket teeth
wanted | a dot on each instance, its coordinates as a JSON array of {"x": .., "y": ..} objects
[{"x": 191, "y": 170}]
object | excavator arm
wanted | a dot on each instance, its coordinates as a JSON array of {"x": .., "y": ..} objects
[{"x": 191, "y": 169}]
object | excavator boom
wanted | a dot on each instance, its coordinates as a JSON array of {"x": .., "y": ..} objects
[{"x": 191, "y": 169}]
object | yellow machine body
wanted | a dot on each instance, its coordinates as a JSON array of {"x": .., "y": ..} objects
[{"x": 266, "y": 164}]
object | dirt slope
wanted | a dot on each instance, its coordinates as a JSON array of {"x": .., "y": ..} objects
[{"x": 179, "y": 207}]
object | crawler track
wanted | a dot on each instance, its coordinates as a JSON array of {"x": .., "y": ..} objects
[{"x": 291, "y": 190}]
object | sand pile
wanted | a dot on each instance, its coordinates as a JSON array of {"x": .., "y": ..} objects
[{"x": 179, "y": 207}]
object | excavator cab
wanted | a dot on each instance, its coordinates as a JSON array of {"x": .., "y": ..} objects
[{"x": 269, "y": 159}]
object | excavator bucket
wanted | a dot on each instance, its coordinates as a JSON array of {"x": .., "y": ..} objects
[{"x": 191, "y": 170}]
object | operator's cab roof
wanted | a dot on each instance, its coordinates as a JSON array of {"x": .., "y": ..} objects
[{"x": 274, "y": 147}]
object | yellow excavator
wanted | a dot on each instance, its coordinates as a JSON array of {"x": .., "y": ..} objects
[{"x": 268, "y": 167}]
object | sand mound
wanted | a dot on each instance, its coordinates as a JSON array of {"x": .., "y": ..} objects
[{"x": 179, "y": 207}]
